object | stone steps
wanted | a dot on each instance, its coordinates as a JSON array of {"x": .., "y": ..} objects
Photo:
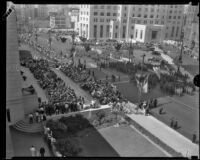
[{"x": 24, "y": 126}]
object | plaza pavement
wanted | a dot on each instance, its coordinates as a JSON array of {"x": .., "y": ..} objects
[{"x": 167, "y": 135}]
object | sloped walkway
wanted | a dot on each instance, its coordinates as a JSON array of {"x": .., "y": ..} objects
[
  {"x": 166, "y": 134},
  {"x": 32, "y": 81}
]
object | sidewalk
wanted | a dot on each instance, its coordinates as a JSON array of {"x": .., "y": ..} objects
[
  {"x": 32, "y": 81},
  {"x": 167, "y": 135}
]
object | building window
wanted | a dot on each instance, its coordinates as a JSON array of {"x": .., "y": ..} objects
[
  {"x": 152, "y": 10},
  {"x": 157, "y": 16},
  {"x": 132, "y": 27},
  {"x": 95, "y": 13},
  {"x": 124, "y": 31},
  {"x": 133, "y": 15},
  {"x": 115, "y": 35},
  {"x": 170, "y": 11},
  {"x": 124, "y": 14},
  {"x": 133, "y": 21},
  {"x": 146, "y": 9},
  {"x": 139, "y": 15},
  {"x": 172, "y": 33},
  {"x": 108, "y": 14},
  {"x": 165, "y": 35},
  {"x": 125, "y": 8},
  {"x": 108, "y": 20},
  {"x": 154, "y": 34},
  {"x": 136, "y": 33},
  {"x": 101, "y": 31},
  {"x": 145, "y": 22},
  {"x": 170, "y": 17},
  {"x": 95, "y": 31},
  {"x": 141, "y": 32},
  {"x": 114, "y": 14},
  {"x": 145, "y": 16},
  {"x": 133, "y": 8},
  {"x": 156, "y": 22},
  {"x": 131, "y": 36},
  {"x": 114, "y": 7},
  {"x": 139, "y": 9},
  {"x": 108, "y": 7},
  {"x": 177, "y": 29},
  {"x": 138, "y": 21},
  {"x": 107, "y": 30},
  {"x": 102, "y": 6},
  {"x": 179, "y": 17},
  {"x": 102, "y": 14},
  {"x": 163, "y": 17},
  {"x": 124, "y": 20},
  {"x": 162, "y": 22},
  {"x": 95, "y": 6},
  {"x": 151, "y": 22},
  {"x": 116, "y": 27},
  {"x": 174, "y": 17},
  {"x": 151, "y": 16},
  {"x": 101, "y": 20}
]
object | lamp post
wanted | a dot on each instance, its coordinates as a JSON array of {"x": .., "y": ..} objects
[
  {"x": 181, "y": 40},
  {"x": 130, "y": 50}
]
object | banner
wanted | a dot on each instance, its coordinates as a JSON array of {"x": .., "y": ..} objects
[{"x": 157, "y": 71}]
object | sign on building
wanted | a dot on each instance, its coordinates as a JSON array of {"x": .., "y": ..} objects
[{"x": 52, "y": 22}]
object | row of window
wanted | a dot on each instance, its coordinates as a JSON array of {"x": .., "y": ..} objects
[
  {"x": 170, "y": 17},
  {"x": 84, "y": 13},
  {"x": 101, "y": 31},
  {"x": 84, "y": 19},
  {"x": 145, "y": 21},
  {"x": 115, "y": 7},
  {"x": 107, "y": 14},
  {"x": 102, "y": 20}
]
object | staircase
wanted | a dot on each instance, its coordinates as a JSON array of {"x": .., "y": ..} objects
[{"x": 25, "y": 126}]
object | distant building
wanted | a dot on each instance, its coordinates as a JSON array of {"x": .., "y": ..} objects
[
  {"x": 59, "y": 21},
  {"x": 191, "y": 28},
  {"x": 42, "y": 11},
  {"x": 74, "y": 14},
  {"x": 118, "y": 21}
]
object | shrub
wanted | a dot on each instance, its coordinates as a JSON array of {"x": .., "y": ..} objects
[{"x": 66, "y": 148}]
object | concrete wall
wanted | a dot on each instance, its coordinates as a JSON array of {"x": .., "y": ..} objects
[{"x": 30, "y": 103}]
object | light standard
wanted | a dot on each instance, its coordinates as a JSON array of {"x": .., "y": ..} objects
[{"x": 181, "y": 40}]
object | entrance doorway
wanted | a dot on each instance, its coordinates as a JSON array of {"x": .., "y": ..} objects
[{"x": 8, "y": 115}]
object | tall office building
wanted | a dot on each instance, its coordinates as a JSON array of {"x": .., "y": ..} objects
[
  {"x": 191, "y": 29},
  {"x": 119, "y": 21},
  {"x": 42, "y": 11}
]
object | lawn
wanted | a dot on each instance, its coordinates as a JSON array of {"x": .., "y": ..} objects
[
  {"x": 179, "y": 111},
  {"x": 129, "y": 143},
  {"x": 130, "y": 91}
]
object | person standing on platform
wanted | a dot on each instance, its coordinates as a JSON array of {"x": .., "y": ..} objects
[{"x": 42, "y": 152}]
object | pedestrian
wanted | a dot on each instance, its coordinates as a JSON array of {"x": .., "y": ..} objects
[
  {"x": 155, "y": 103},
  {"x": 194, "y": 138},
  {"x": 172, "y": 123},
  {"x": 42, "y": 152},
  {"x": 93, "y": 73},
  {"x": 176, "y": 124},
  {"x": 30, "y": 118},
  {"x": 160, "y": 110},
  {"x": 33, "y": 151}
]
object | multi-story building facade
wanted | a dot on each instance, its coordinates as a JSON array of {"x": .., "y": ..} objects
[
  {"x": 42, "y": 11},
  {"x": 60, "y": 21},
  {"x": 74, "y": 14},
  {"x": 191, "y": 28},
  {"x": 118, "y": 21}
]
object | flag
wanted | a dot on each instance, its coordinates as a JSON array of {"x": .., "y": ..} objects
[
  {"x": 157, "y": 71},
  {"x": 142, "y": 82}
]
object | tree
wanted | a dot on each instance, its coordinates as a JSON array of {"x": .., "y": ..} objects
[
  {"x": 87, "y": 47},
  {"x": 100, "y": 115}
]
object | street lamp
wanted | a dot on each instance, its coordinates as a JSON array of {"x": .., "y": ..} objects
[{"x": 181, "y": 40}]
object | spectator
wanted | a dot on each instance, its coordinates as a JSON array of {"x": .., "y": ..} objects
[
  {"x": 33, "y": 151},
  {"x": 42, "y": 152}
]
